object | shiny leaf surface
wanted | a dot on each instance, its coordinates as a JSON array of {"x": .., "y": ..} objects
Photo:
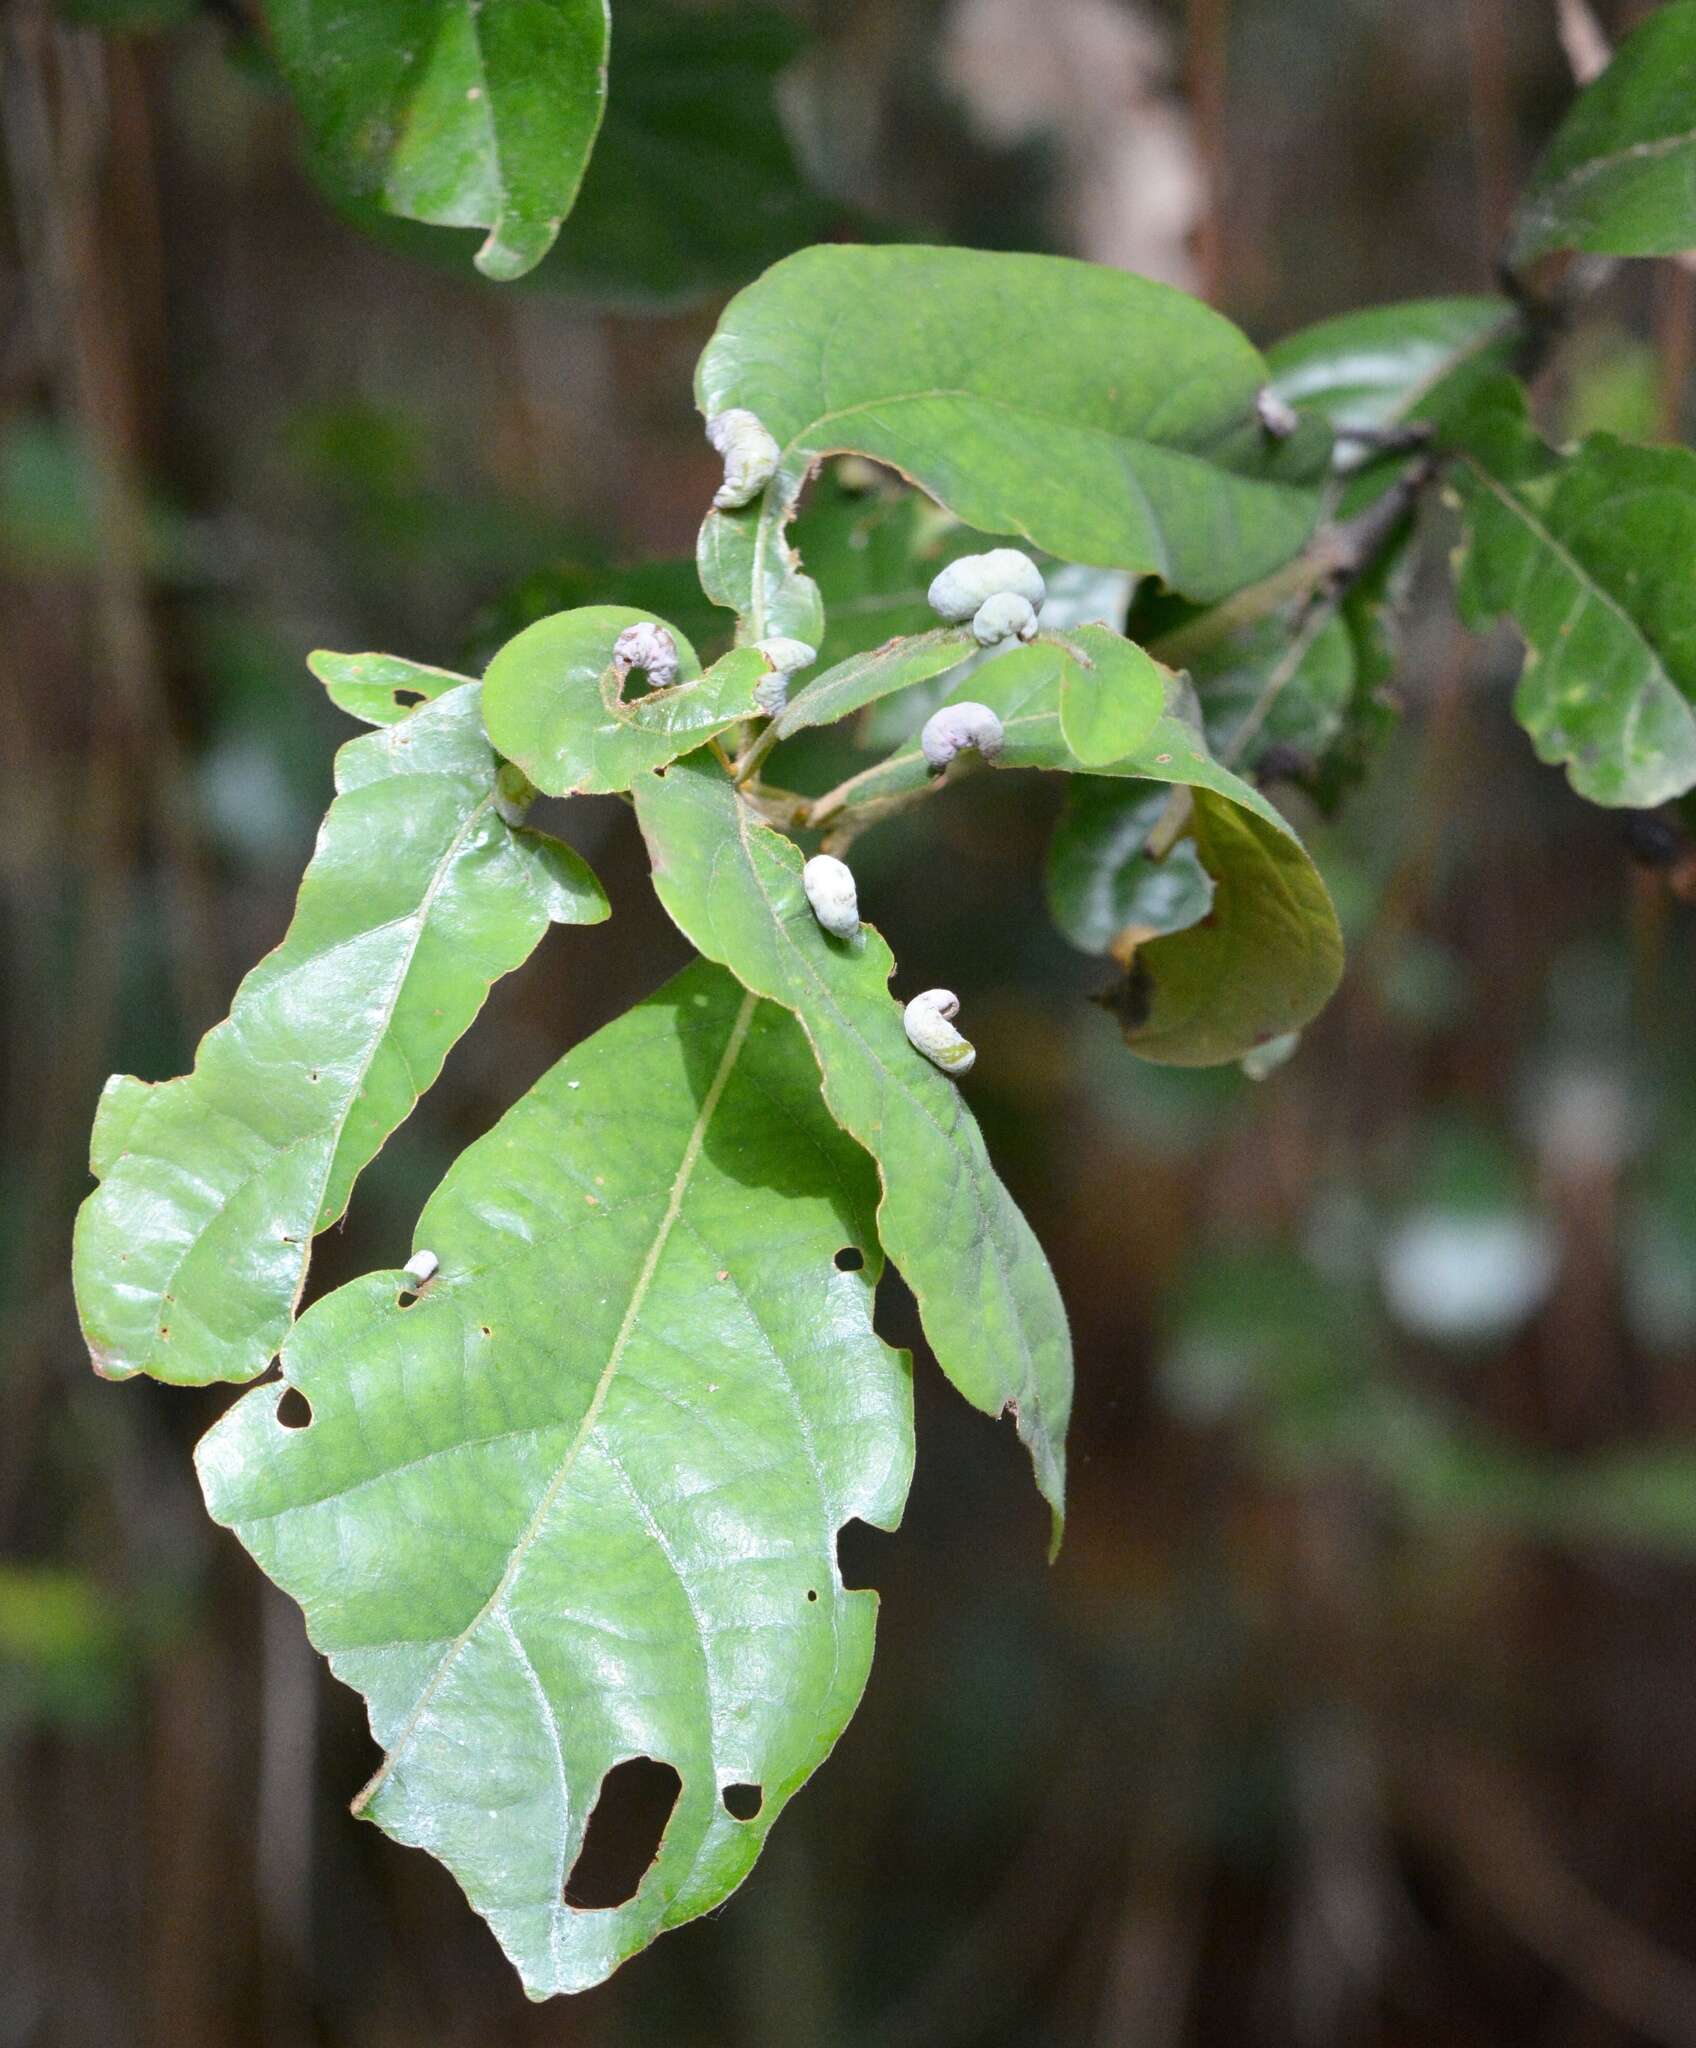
[
  {"x": 988, "y": 1301},
  {"x": 1034, "y": 397},
  {"x": 578, "y": 1502},
  {"x": 191, "y": 1254},
  {"x": 553, "y": 702},
  {"x": 1387, "y": 365},
  {"x": 1590, "y": 555}
]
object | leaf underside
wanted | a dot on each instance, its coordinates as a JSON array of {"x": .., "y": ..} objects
[
  {"x": 191, "y": 1254},
  {"x": 987, "y": 1299},
  {"x": 1267, "y": 956},
  {"x": 578, "y": 1502}
]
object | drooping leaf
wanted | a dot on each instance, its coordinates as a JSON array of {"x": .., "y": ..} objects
[
  {"x": 578, "y": 1502},
  {"x": 191, "y": 1254},
  {"x": 1035, "y": 397},
  {"x": 988, "y": 1301},
  {"x": 379, "y": 689},
  {"x": 1266, "y": 958},
  {"x": 1388, "y": 365},
  {"x": 553, "y": 703},
  {"x": 452, "y": 113},
  {"x": 1590, "y": 555},
  {"x": 1620, "y": 175},
  {"x": 1111, "y": 693},
  {"x": 1105, "y": 892}
]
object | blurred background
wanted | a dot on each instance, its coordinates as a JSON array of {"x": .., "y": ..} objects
[{"x": 1361, "y": 1705}]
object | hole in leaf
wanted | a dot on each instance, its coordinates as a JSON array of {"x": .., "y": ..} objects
[
  {"x": 409, "y": 697},
  {"x": 487, "y": 1332},
  {"x": 294, "y": 1410},
  {"x": 405, "y": 1298},
  {"x": 857, "y": 1553},
  {"x": 743, "y": 1802},
  {"x": 850, "y": 1259},
  {"x": 636, "y": 685},
  {"x": 812, "y": 1592},
  {"x": 313, "y": 1075},
  {"x": 623, "y": 1835}
]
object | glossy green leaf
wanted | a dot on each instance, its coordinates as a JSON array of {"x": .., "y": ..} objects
[
  {"x": 1035, "y": 396},
  {"x": 1590, "y": 555},
  {"x": 1387, "y": 365},
  {"x": 450, "y": 112},
  {"x": 552, "y": 699},
  {"x": 1620, "y": 175},
  {"x": 578, "y": 1502},
  {"x": 864, "y": 678},
  {"x": 1111, "y": 693},
  {"x": 1104, "y": 891},
  {"x": 379, "y": 689},
  {"x": 191, "y": 1254},
  {"x": 986, "y": 1296},
  {"x": 1269, "y": 954}
]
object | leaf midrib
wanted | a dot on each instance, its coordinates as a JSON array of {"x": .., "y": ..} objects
[
  {"x": 597, "y": 1400},
  {"x": 1031, "y": 1389},
  {"x": 1659, "y": 673}
]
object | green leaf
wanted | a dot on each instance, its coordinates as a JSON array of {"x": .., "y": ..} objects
[
  {"x": 1269, "y": 954},
  {"x": 553, "y": 705},
  {"x": 1620, "y": 176},
  {"x": 191, "y": 1254},
  {"x": 1105, "y": 893},
  {"x": 1111, "y": 692},
  {"x": 1286, "y": 679},
  {"x": 1590, "y": 555},
  {"x": 1388, "y": 365},
  {"x": 452, "y": 113},
  {"x": 578, "y": 1502},
  {"x": 379, "y": 689},
  {"x": 1036, "y": 396},
  {"x": 863, "y": 678},
  {"x": 986, "y": 1296}
]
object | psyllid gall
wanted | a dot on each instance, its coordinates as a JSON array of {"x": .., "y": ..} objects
[
  {"x": 750, "y": 456},
  {"x": 929, "y": 1023},
  {"x": 829, "y": 884},
  {"x": 955, "y": 728},
  {"x": 962, "y": 589}
]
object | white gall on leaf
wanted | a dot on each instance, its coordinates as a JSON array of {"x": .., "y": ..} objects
[
  {"x": 788, "y": 658},
  {"x": 750, "y": 456},
  {"x": 650, "y": 648},
  {"x": 961, "y": 589},
  {"x": 929, "y": 1023},
  {"x": 1005, "y": 616},
  {"x": 829, "y": 884},
  {"x": 956, "y": 727}
]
